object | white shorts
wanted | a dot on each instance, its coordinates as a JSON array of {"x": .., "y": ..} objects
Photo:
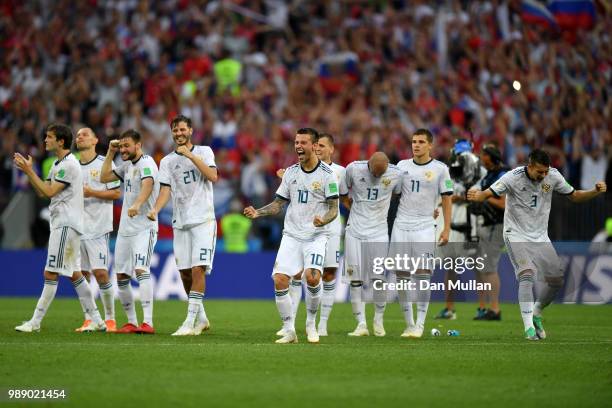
[
  {"x": 64, "y": 252},
  {"x": 95, "y": 253},
  {"x": 195, "y": 246},
  {"x": 134, "y": 252},
  {"x": 295, "y": 256},
  {"x": 332, "y": 254},
  {"x": 413, "y": 244},
  {"x": 490, "y": 245},
  {"x": 540, "y": 257},
  {"x": 359, "y": 256}
]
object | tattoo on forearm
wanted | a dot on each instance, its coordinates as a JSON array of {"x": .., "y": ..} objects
[
  {"x": 332, "y": 211},
  {"x": 271, "y": 209}
]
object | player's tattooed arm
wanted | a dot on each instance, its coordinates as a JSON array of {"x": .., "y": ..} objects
[
  {"x": 271, "y": 209},
  {"x": 329, "y": 216}
]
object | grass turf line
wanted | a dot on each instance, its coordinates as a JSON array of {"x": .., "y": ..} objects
[{"x": 237, "y": 362}]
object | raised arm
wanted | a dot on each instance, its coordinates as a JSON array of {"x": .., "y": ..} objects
[
  {"x": 107, "y": 175},
  {"x": 209, "y": 172},
  {"x": 330, "y": 215},
  {"x": 271, "y": 209},
  {"x": 42, "y": 188},
  {"x": 580, "y": 196}
]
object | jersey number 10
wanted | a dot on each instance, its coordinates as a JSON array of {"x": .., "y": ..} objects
[{"x": 302, "y": 196}]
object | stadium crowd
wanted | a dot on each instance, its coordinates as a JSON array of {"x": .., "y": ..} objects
[{"x": 251, "y": 72}]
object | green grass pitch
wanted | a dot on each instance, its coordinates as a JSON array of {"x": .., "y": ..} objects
[{"x": 238, "y": 364}]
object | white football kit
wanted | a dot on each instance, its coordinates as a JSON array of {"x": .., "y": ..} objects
[
  {"x": 367, "y": 231},
  {"x": 303, "y": 245},
  {"x": 528, "y": 205},
  {"x": 137, "y": 235},
  {"x": 193, "y": 212},
  {"x": 66, "y": 218},
  {"x": 98, "y": 218},
  {"x": 332, "y": 254}
]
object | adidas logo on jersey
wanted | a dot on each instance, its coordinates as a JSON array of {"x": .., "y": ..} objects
[
  {"x": 363, "y": 180},
  {"x": 177, "y": 167},
  {"x": 294, "y": 182}
]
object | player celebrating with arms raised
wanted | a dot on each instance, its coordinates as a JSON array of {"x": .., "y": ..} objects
[
  {"x": 529, "y": 193},
  {"x": 311, "y": 189},
  {"x": 137, "y": 234},
  {"x": 188, "y": 174}
]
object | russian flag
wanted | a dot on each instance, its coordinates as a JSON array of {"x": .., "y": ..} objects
[
  {"x": 573, "y": 14},
  {"x": 534, "y": 12}
]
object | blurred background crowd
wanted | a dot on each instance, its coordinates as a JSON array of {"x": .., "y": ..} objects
[{"x": 249, "y": 73}]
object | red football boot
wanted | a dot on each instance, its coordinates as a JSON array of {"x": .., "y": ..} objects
[
  {"x": 145, "y": 329},
  {"x": 128, "y": 328}
]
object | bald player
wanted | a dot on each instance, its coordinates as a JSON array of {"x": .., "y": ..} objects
[
  {"x": 97, "y": 223},
  {"x": 366, "y": 191}
]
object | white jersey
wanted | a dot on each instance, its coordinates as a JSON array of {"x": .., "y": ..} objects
[
  {"x": 371, "y": 199},
  {"x": 192, "y": 193},
  {"x": 66, "y": 207},
  {"x": 528, "y": 202},
  {"x": 307, "y": 193},
  {"x": 421, "y": 187},
  {"x": 335, "y": 227},
  {"x": 98, "y": 215},
  {"x": 132, "y": 174}
]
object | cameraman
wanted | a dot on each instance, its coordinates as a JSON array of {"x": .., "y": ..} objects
[{"x": 490, "y": 233}]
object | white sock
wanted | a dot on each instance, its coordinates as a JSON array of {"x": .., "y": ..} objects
[
  {"x": 313, "y": 299},
  {"x": 86, "y": 298},
  {"x": 46, "y": 297},
  {"x": 127, "y": 300},
  {"x": 423, "y": 296},
  {"x": 146, "y": 297},
  {"x": 295, "y": 291},
  {"x": 202, "y": 315},
  {"x": 546, "y": 297},
  {"x": 525, "y": 296},
  {"x": 327, "y": 300},
  {"x": 283, "y": 304},
  {"x": 195, "y": 302},
  {"x": 406, "y": 305},
  {"x": 356, "y": 304},
  {"x": 108, "y": 300}
]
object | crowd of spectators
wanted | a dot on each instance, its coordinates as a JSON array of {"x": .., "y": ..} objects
[{"x": 251, "y": 72}]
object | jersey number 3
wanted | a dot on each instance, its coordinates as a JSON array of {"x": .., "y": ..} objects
[{"x": 534, "y": 201}]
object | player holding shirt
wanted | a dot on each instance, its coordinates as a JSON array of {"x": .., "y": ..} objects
[
  {"x": 97, "y": 223},
  {"x": 366, "y": 190},
  {"x": 311, "y": 189},
  {"x": 137, "y": 234},
  {"x": 188, "y": 174},
  {"x": 414, "y": 228},
  {"x": 64, "y": 187},
  {"x": 529, "y": 193}
]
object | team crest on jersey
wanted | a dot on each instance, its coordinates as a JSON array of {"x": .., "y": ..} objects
[
  {"x": 545, "y": 187},
  {"x": 349, "y": 270},
  {"x": 429, "y": 175},
  {"x": 386, "y": 182},
  {"x": 94, "y": 174},
  {"x": 316, "y": 186}
]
